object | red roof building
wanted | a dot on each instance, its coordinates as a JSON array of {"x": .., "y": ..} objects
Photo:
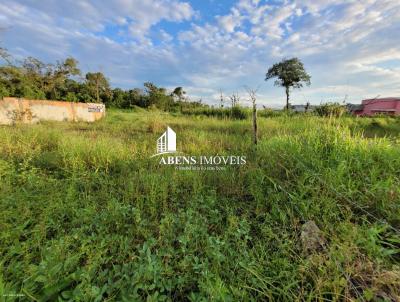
[{"x": 390, "y": 106}]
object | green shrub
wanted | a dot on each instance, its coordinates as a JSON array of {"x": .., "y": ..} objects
[{"x": 330, "y": 109}]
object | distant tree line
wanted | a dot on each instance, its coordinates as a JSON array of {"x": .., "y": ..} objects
[
  {"x": 33, "y": 79},
  {"x": 63, "y": 80}
]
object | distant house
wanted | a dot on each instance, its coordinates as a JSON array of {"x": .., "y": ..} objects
[{"x": 369, "y": 107}]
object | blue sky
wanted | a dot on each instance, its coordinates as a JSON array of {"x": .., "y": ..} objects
[{"x": 350, "y": 48}]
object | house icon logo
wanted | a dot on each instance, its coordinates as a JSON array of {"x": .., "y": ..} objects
[{"x": 167, "y": 142}]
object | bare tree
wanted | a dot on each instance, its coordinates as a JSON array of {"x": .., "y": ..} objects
[
  {"x": 235, "y": 99},
  {"x": 221, "y": 99},
  {"x": 3, "y": 51},
  {"x": 307, "y": 108},
  {"x": 5, "y": 55},
  {"x": 253, "y": 99}
]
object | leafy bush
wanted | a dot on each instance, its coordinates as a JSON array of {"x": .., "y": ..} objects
[{"x": 330, "y": 109}]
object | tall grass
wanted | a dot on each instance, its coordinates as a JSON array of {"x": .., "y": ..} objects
[{"x": 86, "y": 215}]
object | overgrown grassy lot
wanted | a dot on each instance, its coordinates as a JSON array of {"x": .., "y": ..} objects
[{"x": 86, "y": 215}]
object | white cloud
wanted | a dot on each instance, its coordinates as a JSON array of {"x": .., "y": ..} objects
[
  {"x": 86, "y": 15},
  {"x": 228, "y": 23},
  {"x": 231, "y": 21}
]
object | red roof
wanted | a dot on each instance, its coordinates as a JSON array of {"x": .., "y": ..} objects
[{"x": 389, "y": 99}]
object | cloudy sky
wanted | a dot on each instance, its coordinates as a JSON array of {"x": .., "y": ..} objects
[{"x": 350, "y": 48}]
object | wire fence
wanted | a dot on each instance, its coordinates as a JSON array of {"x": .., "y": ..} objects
[{"x": 337, "y": 193}]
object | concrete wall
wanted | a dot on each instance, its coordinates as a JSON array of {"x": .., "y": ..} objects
[{"x": 14, "y": 110}]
